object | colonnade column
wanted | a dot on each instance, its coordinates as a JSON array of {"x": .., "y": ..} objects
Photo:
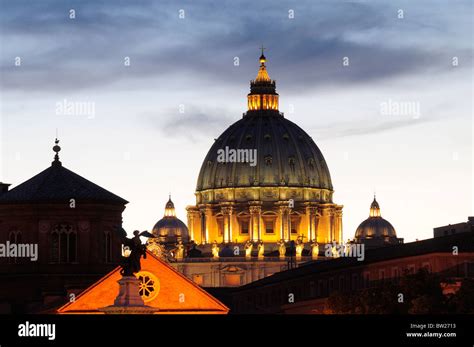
[
  {"x": 227, "y": 214},
  {"x": 206, "y": 223},
  {"x": 202, "y": 215},
  {"x": 339, "y": 224},
  {"x": 284, "y": 223},
  {"x": 312, "y": 216},
  {"x": 191, "y": 217},
  {"x": 317, "y": 217},
  {"x": 255, "y": 222}
]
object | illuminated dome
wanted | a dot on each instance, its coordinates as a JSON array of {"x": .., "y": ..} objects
[
  {"x": 286, "y": 154},
  {"x": 264, "y": 180},
  {"x": 170, "y": 229},
  {"x": 376, "y": 231}
]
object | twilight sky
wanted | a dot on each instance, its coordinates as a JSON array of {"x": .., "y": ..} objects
[{"x": 153, "y": 120}]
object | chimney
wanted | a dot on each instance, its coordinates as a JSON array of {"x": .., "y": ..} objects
[{"x": 4, "y": 187}]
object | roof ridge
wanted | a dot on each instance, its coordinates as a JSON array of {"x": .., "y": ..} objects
[
  {"x": 58, "y": 183},
  {"x": 189, "y": 281}
]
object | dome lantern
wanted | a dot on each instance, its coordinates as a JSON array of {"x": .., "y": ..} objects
[
  {"x": 374, "y": 209},
  {"x": 263, "y": 95},
  {"x": 169, "y": 208}
]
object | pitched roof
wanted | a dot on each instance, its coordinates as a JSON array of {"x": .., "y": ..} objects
[
  {"x": 176, "y": 293},
  {"x": 58, "y": 184}
]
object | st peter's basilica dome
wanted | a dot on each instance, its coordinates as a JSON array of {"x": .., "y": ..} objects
[{"x": 264, "y": 179}]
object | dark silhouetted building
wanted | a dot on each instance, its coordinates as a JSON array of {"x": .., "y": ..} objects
[
  {"x": 451, "y": 229},
  {"x": 306, "y": 289},
  {"x": 71, "y": 221}
]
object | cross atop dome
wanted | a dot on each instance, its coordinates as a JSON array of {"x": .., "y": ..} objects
[
  {"x": 262, "y": 75},
  {"x": 262, "y": 57}
]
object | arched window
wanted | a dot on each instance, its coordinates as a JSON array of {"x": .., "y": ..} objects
[
  {"x": 244, "y": 226},
  {"x": 55, "y": 247},
  {"x": 292, "y": 163},
  {"x": 244, "y": 223},
  {"x": 12, "y": 237},
  {"x": 220, "y": 224},
  {"x": 269, "y": 223},
  {"x": 72, "y": 244},
  {"x": 15, "y": 238},
  {"x": 63, "y": 244},
  {"x": 295, "y": 219}
]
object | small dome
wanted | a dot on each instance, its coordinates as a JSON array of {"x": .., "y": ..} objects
[
  {"x": 375, "y": 230},
  {"x": 170, "y": 229},
  {"x": 375, "y": 227}
]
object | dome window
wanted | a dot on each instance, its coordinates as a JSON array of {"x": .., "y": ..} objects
[
  {"x": 248, "y": 137},
  {"x": 267, "y": 137},
  {"x": 286, "y": 137},
  {"x": 268, "y": 160},
  {"x": 291, "y": 162},
  {"x": 311, "y": 163}
]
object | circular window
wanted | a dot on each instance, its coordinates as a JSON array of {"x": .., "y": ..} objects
[{"x": 149, "y": 286}]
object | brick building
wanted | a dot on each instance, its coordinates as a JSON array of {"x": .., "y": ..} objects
[{"x": 452, "y": 257}]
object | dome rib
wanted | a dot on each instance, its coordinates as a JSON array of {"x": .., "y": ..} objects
[
  {"x": 298, "y": 153},
  {"x": 235, "y": 169},
  {"x": 276, "y": 149},
  {"x": 260, "y": 156},
  {"x": 286, "y": 144},
  {"x": 284, "y": 141}
]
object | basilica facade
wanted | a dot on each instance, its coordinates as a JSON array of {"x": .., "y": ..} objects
[{"x": 264, "y": 200}]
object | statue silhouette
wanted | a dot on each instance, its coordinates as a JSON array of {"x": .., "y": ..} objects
[{"x": 131, "y": 264}]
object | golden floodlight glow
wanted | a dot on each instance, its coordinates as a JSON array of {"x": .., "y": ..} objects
[
  {"x": 262, "y": 75},
  {"x": 375, "y": 209},
  {"x": 262, "y": 95},
  {"x": 169, "y": 209}
]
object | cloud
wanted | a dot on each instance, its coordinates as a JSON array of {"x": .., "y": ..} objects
[
  {"x": 366, "y": 127},
  {"x": 62, "y": 54},
  {"x": 193, "y": 124}
]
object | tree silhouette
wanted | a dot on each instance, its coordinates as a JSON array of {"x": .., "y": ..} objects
[{"x": 418, "y": 293}]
